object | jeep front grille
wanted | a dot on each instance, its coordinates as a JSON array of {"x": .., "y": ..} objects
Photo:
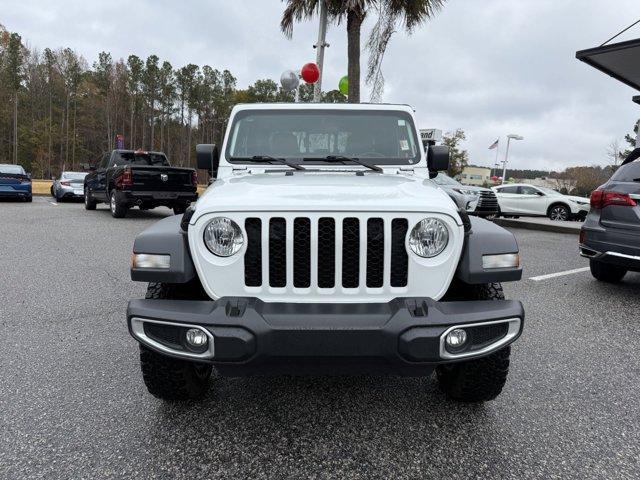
[{"x": 342, "y": 248}]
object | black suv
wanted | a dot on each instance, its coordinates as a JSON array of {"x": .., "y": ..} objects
[{"x": 610, "y": 236}]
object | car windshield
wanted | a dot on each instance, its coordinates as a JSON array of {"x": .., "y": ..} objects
[
  {"x": 627, "y": 173},
  {"x": 443, "y": 179},
  {"x": 548, "y": 191},
  {"x": 73, "y": 175},
  {"x": 142, "y": 159},
  {"x": 12, "y": 169},
  {"x": 374, "y": 137}
]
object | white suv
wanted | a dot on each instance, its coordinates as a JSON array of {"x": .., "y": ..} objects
[
  {"x": 521, "y": 199},
  {"x": 322, "y": 246}
]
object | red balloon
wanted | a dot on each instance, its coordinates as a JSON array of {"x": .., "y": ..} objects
[{"x": 310, "y": 73}]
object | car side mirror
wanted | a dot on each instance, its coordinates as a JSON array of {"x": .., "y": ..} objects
[
  {"x": 540, "y": 194},
  {"x": 438, "y": 157},
  {"x": 208, "y": 158}
]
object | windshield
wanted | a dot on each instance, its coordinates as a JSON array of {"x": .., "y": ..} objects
[
  {"x": 548, "y": 191},
  {"x": 143, "y": 159},
  {"x": 12, "y": 169},
  {"x": 73, "y": 175},
  {"x": 627, "y": 173},
  {"x": 375, "y": 137},
  {"x": 443, "y": 179}
]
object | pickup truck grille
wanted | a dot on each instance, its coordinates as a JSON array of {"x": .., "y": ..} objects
[
  {"x": 488, "y": 202},
  {"x": 326, "y": 253}
]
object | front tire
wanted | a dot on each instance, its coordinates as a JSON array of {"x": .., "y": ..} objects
[
  {"x": 166, "y": 377},
  {"x": 559, "y": 213},
  {"x": 89, "y": 202},
  {"x": 118, "y": 210},
  {"x": 179, "y": 209},
  {"x": 482, "y": 379},
  {"x": 606, "y": 273}
]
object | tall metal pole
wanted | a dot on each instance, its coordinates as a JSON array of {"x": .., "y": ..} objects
[
  {"x": 506, "y": 159},
  {"x": 320, "y": 46},
  {"x": 496, "y": 164}
]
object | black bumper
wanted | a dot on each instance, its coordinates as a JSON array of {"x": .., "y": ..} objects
[
  {"x": 607, "y": 245},
  {"x": 158, "y": 198},
  {"x": 250, "y": 336}
]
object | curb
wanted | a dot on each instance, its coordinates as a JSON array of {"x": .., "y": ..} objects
[{"x": 560, "y": 227}]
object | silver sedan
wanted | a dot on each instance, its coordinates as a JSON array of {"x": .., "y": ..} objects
[{"x": 70, "y": 185}]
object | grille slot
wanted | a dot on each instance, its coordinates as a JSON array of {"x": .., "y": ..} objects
[
  {"x": 278, "y": 253},
  {"x": 326, "y": 253},
  {"x": 253, "y": 255},
  {"x": 302, "y": 253},
  {"x": 375, "y": 252},
  {"x": 399, "y": 257},
  {"x": 350, "y": 253}
]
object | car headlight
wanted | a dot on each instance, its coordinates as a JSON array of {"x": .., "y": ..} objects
[
  {"x": 467, "y": 192},
  {"x": 223, "y": 237},
  {"x": 429, "y": 238}
]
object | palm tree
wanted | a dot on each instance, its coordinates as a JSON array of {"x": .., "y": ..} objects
[{"x": 391, "y": 13}]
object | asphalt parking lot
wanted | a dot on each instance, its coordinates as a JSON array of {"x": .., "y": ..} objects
[{"x": 73, "y": 405}]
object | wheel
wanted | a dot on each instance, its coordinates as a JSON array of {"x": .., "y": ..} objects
[
  {"x": 89, "y": 202},
  {"x": 118, "y": 210},
  {"x": 166, "y": 377},
  {"x": 29, "y": 199},
  {"x": 559, "y": 213},
  {"x": 51, "y": 190},
  {"x": 179, "y": 209},
  {"x": 482, "y": 379},
  {"x": 605, "y": 272}
]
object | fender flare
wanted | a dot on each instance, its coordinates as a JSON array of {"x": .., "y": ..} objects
[
  {"x": 165, "y": 237},
  {"x": 486, "y": 238}
]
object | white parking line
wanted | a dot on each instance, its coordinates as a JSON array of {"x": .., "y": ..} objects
[
  {"x": 559, "y": 274},
  {"x": 54, "y": 204}
]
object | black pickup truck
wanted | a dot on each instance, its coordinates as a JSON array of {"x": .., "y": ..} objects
[{"x": 127, "y": 178}]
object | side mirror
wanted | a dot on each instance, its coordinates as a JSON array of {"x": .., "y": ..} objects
[
  {"x": 540, "y": 194},
  {"x": 438, "y": 158},
  {"x": 208, "y": 158}
]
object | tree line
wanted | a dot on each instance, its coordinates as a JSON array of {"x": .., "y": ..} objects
[{"x": 57, "y": 111}]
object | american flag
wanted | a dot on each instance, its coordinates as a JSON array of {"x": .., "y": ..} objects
[{"x": 494, "y": 144}]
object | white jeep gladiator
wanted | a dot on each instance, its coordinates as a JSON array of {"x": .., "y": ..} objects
[{"x": 323, "y": 246}]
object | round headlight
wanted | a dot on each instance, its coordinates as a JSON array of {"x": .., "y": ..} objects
[
  {"x": 429, "y": 237},
  {"x": 223, "y": 237}
]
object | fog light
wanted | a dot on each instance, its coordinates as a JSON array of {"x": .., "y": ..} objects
[
  {"x": 456, "y": 338},
  {"x": 505, "y": 260},
  {"x": 196, "y": 337}
]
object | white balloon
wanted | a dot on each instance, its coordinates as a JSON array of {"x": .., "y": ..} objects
[{"x": 289, "y": 80}]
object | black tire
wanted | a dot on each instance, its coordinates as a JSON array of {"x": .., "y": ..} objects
[
  {"x": 605, "y": 272},
  {"x": 482, "y": 379},
  {"x": 89, "y": 202},
  {"x": 559, "y": 213},
  {"x": 172, "y": 379},
  {"x": 51, "y": 190},
  {"x": 179, "y": 209},
  {"x": 475, "y": 381},
  {"x": 166, "y": 377},
  {"x": 29, "y": 199},
  {"x": 118, "y": 210}
]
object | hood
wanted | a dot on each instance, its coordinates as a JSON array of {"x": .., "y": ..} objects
[
  {"x": 577, "y": 199},
  {"x": 324, "y": 191}
]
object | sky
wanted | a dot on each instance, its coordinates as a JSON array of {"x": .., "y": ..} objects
[{"x": 490, "y": 67}]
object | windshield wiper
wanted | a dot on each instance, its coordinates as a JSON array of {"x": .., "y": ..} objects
[
  {"x": 341, "y": 159},
  {"x": 271, "y": 160}
]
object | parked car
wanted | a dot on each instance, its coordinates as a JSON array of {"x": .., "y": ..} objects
[
  {"x": 70, "y": 185},
  {"x": 476, "y": 200},
  {"x": 610, "y": 236},
  {"x": 127, "y": 178},
  {"x": 323, "y": 247},
  {"x": 15, "y": 182},
  {"x": 521, "y": 199}
]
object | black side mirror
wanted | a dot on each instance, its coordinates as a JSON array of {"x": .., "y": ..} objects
[
  {"x": 438, "y": 158},
  {"x": 208, "y": 158},
  {"x": 540, "y": 194}
]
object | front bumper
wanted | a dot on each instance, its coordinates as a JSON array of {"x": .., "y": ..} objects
[{"x": 248, "y": 336}]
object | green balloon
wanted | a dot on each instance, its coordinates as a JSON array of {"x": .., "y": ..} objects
[{"x": 343, "y": 86}]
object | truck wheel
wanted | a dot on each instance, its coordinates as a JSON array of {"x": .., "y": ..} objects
[
  {"x": 89, "y": 202},
  {"x": 172, "y": 379},
  {"x": 118, "y": 210},
  {"x": 166, "y": 377},
  {"x": 606, "y": 273},
  {"x": 482, "y": 379}
]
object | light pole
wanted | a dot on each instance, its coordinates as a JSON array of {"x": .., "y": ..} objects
[
  {"x": 506, "y": 155},
  {"x": 320, "y": 46}
]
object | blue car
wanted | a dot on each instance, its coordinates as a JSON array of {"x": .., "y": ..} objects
[{"x": 15, "y": 182}]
